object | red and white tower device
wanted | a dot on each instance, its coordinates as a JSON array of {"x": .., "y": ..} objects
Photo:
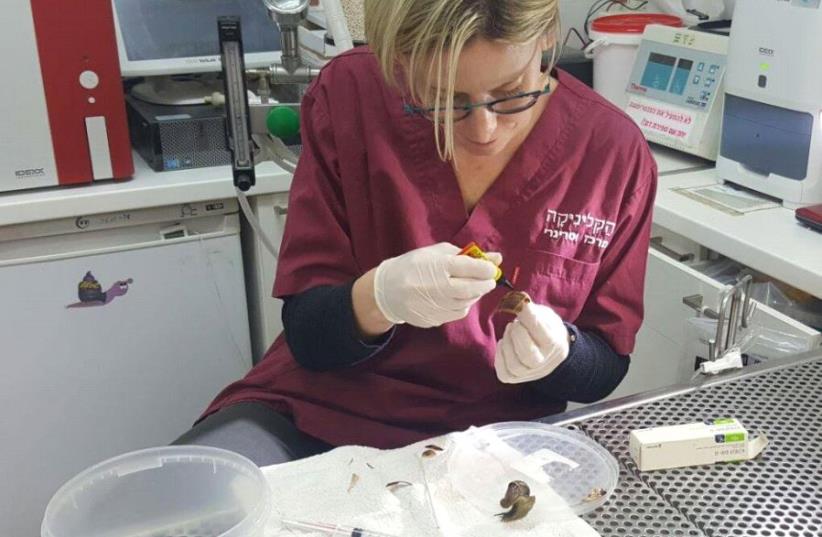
[{"x": 62, "y": 112}]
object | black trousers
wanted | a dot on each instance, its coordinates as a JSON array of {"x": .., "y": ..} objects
[{"x": 255, "y": 431}]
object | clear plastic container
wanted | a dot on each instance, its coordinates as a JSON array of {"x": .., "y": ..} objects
[
  {"x": 180, "y": 491},
  {"x": 567, "y": 472}
]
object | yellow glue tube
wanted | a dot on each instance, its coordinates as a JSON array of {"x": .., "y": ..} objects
[{"x": 472, "y": 249}]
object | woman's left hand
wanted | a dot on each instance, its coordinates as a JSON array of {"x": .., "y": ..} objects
[{"x": 533, "y": 346}]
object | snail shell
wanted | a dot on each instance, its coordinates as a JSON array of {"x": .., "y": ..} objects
[{"x": 513, "y": 302}]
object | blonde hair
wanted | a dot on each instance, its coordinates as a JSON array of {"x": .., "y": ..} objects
[{"x": 426, "y": 37}]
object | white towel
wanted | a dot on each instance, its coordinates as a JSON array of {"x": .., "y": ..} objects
[{"x": 324, "y": 489}]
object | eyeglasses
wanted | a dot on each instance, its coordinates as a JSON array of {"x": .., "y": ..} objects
[{"x": 505, "y": 106}]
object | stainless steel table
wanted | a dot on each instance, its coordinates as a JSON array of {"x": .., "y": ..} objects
[{"x": 777, "y": 495}]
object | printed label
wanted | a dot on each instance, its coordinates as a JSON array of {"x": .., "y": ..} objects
[{"x": 657, "y": 119}]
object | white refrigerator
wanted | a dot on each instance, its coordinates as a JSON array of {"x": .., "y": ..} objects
[{"x": 116, "y": 331}]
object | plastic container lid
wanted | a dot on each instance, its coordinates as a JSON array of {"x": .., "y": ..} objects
[
  {"x": 163, "y": 492},
  {"x": 633, "y": 23},
  {"x": 567, "y": 472}
]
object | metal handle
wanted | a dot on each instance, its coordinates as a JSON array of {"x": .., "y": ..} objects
[
  {"x": 695, "y": 302},
  {"x": 589, "y": 49},
  {"x": 735, "y": 310},
  {"x": 279, "y": 210},
  {"x": 733, "y": 319},
  {"x": 656, "y": 244}
]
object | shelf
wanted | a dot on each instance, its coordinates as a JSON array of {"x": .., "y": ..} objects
[
  {"x": 770, "y": 240},
  {"x": 146, "y": 189}
]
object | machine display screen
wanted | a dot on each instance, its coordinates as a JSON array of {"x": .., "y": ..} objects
[
  {"x": 681, "y": 75},
  {"x": 658, "y": 71},
  {"x": 165, "y": 29},
  {"x": 662, "y": 69}
]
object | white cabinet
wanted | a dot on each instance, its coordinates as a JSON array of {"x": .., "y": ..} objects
[{"x": 261, "y": 267}]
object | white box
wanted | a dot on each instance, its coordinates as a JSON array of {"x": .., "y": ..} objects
[{"x": 693, "y": 444}]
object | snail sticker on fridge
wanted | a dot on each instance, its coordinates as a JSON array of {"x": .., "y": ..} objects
[{"x": 90, "y": 292}]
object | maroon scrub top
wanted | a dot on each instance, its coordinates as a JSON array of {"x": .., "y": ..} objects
[{"x": 571, "y": 214}]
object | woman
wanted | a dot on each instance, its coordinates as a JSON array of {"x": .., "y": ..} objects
[{"x": 444, "y": 131}]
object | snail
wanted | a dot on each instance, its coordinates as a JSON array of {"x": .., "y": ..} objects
[{"x": 518, "y": 498}]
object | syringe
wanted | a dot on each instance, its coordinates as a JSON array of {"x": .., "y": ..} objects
[{"x": 336, "y": 530}]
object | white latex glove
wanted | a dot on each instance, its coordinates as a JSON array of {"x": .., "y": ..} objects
[
  {"x": 534, "y": 344},
  {"x": 433, "y": 285}
]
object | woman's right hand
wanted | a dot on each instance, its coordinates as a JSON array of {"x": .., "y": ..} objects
[{"x": 433, "y": 285}]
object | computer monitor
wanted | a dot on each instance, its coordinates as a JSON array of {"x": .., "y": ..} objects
[{"x": 177, "y": 37}]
